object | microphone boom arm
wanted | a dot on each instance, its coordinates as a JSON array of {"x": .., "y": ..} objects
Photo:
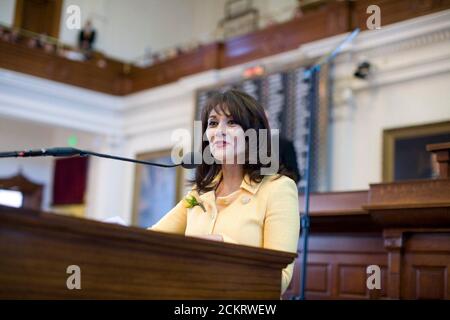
[{"x": 70, "y": 152}]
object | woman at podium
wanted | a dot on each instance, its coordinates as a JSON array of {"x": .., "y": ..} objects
[{"x": 240, "y": 194}]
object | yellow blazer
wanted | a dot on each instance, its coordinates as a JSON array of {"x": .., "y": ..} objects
[{"x": 264, "y": 215}]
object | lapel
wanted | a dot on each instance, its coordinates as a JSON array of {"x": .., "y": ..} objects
[
  {"x": 249, "y": 186},
  {"x": 209, "y": 198},
  {"x": 209, "y": 201}
]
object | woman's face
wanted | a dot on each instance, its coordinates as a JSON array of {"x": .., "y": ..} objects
[{"x": 226, "y": 137}]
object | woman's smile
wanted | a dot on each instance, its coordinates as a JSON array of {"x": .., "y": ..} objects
[{"x": 221, "y": 144}]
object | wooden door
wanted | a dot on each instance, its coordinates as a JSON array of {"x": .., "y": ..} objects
[{"x": 39, "y": 16}]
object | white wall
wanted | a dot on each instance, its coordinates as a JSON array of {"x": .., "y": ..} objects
[
  {"x": 357, "y": 138},
  {"x": 207, "y": 15},
  {"x": 24, "y": 135},
  {"x": 127, "y": 28},
  {"x": 409, "y": 86},
  {"x": 21, "y": 136},
  {"x": 94, "y": 10},
  {"x": 7, "y": 12}
]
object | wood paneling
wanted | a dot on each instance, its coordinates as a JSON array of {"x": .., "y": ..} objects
[
  {"x": 39, "y": 16},
  {"x": 415, "y": 192},
  {"x": 442, "y": 154},
  {"x": 203, "y": 59},
  {"x": 393, "y": 11},
  {"x": 349, "y": 202},
  {"x": 127, "y": 263},
  {"x": 414, "y": 258},
  {"x": 421, "y": 203},
  {"x": 427, "y": 266},
  {"x": 33, "y": 61},
  {"x": 402, "y": 227},
  {"x": 330, "y": 20},
  {"x": 337, "y": 267},
  {"x": 340, "y": 212},
  {"x": 319, "y": 278}
]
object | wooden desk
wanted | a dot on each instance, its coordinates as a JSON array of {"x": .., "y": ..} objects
[{"x": 403, "y": 227}]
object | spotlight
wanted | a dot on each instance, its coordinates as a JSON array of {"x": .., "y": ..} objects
[{"x": 363, "y": 70}]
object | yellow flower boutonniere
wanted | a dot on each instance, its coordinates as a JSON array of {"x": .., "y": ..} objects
[{"x": 190, "y": 201}]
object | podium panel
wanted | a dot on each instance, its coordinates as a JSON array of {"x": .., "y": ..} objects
[{"x": 117, "y": 262}]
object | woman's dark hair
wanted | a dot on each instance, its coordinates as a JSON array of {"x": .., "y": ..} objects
[{"x": 249, "y": 114}]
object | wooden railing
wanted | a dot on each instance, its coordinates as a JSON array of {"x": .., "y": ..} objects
[
  {"x": 401, "y": 227},
  {"x": 86, "y": 74},
  {"x": 117, "y": 78}
]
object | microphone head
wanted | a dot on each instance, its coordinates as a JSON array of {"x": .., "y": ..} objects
[
  {"x": 63, "y": 152},
  {"x": 191, "y": 160}
]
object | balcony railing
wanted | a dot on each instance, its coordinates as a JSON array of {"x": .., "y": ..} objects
[{"x": 47, "y": 58}]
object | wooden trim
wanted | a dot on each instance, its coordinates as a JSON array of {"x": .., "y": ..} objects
[
  {"x": 438, "y": 146},
  {"x": 18, "y": 14},
  {"x": 329, "y": 202},
  {"x": 165, "y": 241},
  {"x": 427, "y": 191},
  {"x": 441, "y": 151},
  {"x": 57, "y": 19},
  {"x": 393, "y": 242},
  {"x": 54, "y": 32},
  {"x": 329, "y": 19},
  {"x": 393, "y": 11}
]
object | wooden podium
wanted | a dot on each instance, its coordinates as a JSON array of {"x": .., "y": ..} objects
[{"x": 118, "y": 262}]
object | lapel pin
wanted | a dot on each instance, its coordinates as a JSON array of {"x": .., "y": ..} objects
[{"x": 245, "y": 200}]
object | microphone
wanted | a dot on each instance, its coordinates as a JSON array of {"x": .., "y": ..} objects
[
  {"x": 56, "y": 152},
  {"x": 188, "y": 161}
]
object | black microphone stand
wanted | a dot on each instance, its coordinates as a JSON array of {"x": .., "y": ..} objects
[
  {"x": 107, "y": 156},
  {"x": 310, "y": 76}
]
